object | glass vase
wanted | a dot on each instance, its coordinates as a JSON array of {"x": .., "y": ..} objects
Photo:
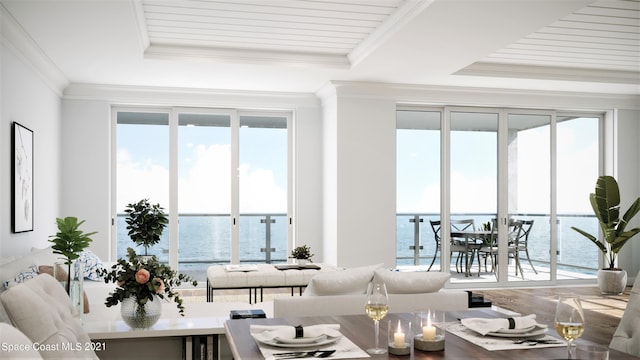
[{"x": 132, "y": 315}]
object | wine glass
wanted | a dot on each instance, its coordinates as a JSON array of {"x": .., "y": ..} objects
[
  {"x": 376, "y": 308},
  {"x": 569, "y": 320}
]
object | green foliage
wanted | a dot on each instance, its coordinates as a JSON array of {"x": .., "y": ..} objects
[
  {"x": 301, "y": 252},
  {"x": 69, "y": 241},
  {"x": 154, "y": 278},
  {"x": 145, "y": 223},
  {"x": 605, "y": 202}
]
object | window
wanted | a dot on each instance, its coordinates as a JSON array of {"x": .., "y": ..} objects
[{"x": 224, "y": 181}]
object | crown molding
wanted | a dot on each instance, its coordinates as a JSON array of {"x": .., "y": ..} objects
[
  {"x": 409, "y": 94},
  {"x": 14, "y": 37},
  {"x": 171, "y": 96},
  {"x": 550, "y": 73}
]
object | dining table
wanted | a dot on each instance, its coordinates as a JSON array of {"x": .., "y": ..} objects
[
  {"x": 359, "y": 329},
  {"x": 473, "y": 240}
]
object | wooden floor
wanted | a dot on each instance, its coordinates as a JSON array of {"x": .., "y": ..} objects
[{"x": 602, "y": 312}]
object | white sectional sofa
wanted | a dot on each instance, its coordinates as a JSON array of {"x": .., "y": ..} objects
[{"x": 343, "y": 292}]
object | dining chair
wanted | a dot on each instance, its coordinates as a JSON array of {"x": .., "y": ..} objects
[
  {"x": 490, "y": 247},
  {"x": 460, "y": 244},
  {"x": 522, "y": 243},
  {"x": 435, "y": 226}
]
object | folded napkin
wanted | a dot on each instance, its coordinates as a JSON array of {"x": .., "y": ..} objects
[
  {"x": 270, "y": 332},
  {"x": 485, "y": 326}
]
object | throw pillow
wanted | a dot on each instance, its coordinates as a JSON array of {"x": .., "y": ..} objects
[
  {"x": 61, "y": 275},
  {"x": 91, "y": 263},
  {"x": 342, "y": 282},
  {"x": 22, "y": 276},
  {"x": 411, "y": 282}
]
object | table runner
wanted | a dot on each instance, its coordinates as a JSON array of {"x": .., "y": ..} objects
[{"x": 492, "y": 343}]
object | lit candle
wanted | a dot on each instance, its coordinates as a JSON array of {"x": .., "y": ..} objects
[
  {"x": 428, "y": 331},
  {"x": 398, "y": 337}
]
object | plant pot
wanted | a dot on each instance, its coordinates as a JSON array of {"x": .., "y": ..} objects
[
  {"x": 302, "y": 262},
  {"x": 612, "y": 282},
  {"x": 132, "y": 315}
]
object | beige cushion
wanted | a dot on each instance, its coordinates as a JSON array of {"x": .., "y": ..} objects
[
  {"x": 15, "y": 344},
  {"x": 42, "y": 310},
  {"x": 341, "y": 282},
  {"x": 61, "y": 275},
  {"x": 627, "y": 335},
  {"x": 411, "y": 282}
]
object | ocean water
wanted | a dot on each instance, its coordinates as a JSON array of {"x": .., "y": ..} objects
[{"x": 206, "y": 240}]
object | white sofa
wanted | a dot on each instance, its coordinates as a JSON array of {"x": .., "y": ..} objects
[
  {"x": 344, "y": 293},
  {"x": 20, "y": 268},
  {"x": 41, "y": 310}
]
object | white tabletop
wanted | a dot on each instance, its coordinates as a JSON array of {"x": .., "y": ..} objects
[{"x": 200, "y": 319}]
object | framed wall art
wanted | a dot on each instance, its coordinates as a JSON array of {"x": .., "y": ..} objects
[{"x": 22, "y": 210}]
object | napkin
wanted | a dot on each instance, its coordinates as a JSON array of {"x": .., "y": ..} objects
[
  {"x": 485, "y": 326},
  {"x": 270, "y": 332}
]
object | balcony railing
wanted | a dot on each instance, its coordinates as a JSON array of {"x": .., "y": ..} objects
[{"x": 416, "y": 241}]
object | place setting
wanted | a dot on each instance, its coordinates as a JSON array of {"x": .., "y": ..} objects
[
  {"x": 280, "y": 342},
  {"x": 522, "y": 332}
]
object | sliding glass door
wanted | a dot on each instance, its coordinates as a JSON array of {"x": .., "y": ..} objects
[{"x": 520, "y": 178}]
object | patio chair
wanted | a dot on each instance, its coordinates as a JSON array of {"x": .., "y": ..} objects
[
  {"x": 522, "y": 242},
  {"x": 490, "y": 248},
  {"x": 458, "y": 244},
  {"x": 435, "y": 226}
]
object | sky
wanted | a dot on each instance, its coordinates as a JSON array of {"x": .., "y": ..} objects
[{"x": 204, "y": 158}]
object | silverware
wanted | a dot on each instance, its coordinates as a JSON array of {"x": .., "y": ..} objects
[
  {"x": 305, "y": 354},
  {"x": 533, "y": 342}
]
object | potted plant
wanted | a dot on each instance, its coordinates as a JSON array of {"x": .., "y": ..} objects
[
  {"x": 141, "y": 286},
  {"x": 605, "y": 202},
  {"x": 302, "y": 254},
  {"x": 145, "y": 223},
  {"x": 69, "y": 242}
]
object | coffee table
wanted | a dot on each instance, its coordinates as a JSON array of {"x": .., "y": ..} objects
[{"x": 359, "y": 329}]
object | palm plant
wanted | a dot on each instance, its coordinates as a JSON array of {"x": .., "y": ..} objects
[{"x": 605, "y": 202}]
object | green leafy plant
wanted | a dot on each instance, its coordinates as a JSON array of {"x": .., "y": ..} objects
[
  {"x": 143, "y": 280},
  {"x": 605, "y": 202},
  {"x": 301, "y": 252},
  {"x": 69, "y": 242},
  {"x": 145, "y": 223}
]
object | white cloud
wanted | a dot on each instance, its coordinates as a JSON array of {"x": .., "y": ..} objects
[{"x": 204, "y": 188}]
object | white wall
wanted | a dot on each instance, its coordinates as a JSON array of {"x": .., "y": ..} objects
[
  {"x": 86, "y": 168},
  {"x": 628, "y": 176},
  {"x": 28, "y": 99},
  {"x": 360, "y": 150},
  {"x": 308, "y": 179}
]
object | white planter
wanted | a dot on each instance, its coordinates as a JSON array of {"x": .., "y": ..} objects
[
  {"x": 612, "y": 282},
  {"x": 302, "y": 262}
]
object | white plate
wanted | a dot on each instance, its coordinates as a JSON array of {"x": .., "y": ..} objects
[
  {"x": 537, "y": 331},
  {"x": 323, "y": 340},
  {"x": 515, "y": 331},
  {"x": 302, "y": 340}
]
